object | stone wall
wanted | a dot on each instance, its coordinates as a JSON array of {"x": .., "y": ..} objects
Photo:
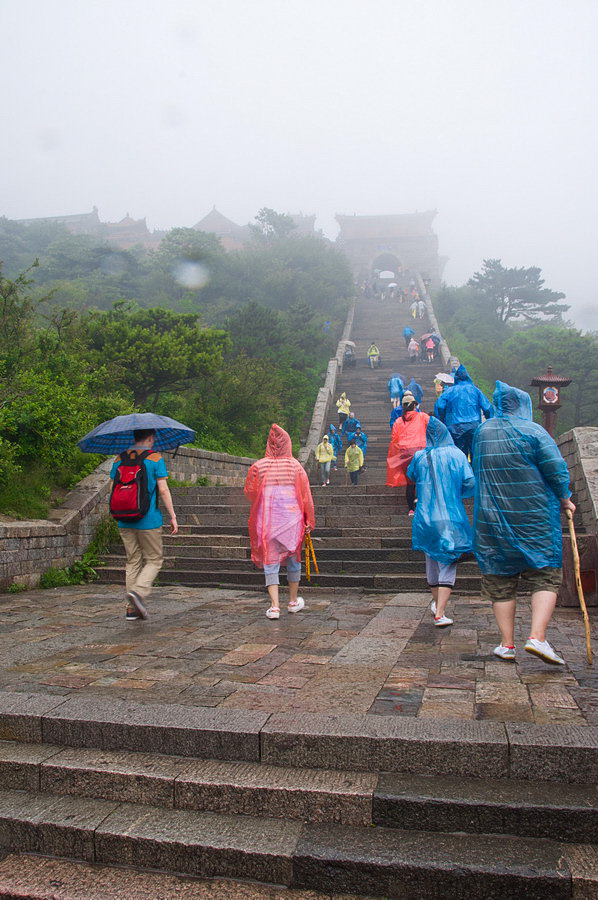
[
  {"x": 28, "y": 549},
  {"x": 319, "y": 419},
  {"x": 580, "y": 450}
]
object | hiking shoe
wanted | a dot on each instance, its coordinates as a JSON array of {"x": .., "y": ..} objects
[
  {"x": 136, "y": 601},
  {"x": 544, "y": 651},
  {"x": 507, "y": 653},
  {"x": 295, "y": 607},
  {"x": 132, "y": 615},
  {"x": 442, "y": 621},
  {"x": 273, "y": 612},
  {"x": 433, "y": 607}
]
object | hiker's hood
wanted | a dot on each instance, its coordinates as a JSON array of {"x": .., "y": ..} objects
[
  {"x": 462, "y": 375},
  {"x": 510, "y": 401},
  {"x": 437, "y": 435},
  {"x": 279, "y": 443}
]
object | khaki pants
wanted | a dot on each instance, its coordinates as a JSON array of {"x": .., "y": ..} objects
[{"x": 144, "y": 558}]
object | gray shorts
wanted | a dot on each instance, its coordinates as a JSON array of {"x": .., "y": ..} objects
[{"x": 440, "y": 574}]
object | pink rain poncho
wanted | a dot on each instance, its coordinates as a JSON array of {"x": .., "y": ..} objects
[
  {"x": 281, "y": 502},
  {"x": 408, "y": 436}
]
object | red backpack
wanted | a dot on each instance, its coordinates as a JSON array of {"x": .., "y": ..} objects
[{"x": 130, "y": 497}]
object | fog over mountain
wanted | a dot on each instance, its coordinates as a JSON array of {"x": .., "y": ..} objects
[{"x": 484, "y": 111}]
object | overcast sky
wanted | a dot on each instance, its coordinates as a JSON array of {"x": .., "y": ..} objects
[{"x": 483, "y": 110}]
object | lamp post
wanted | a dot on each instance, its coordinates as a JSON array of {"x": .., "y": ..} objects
[{"x": 549, "y": 397}]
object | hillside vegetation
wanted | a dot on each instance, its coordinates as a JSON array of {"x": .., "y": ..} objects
[{"x": 225, "y": 342}]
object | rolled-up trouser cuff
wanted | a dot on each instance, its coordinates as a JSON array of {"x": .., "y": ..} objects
[{"x": 293, "y": 572}]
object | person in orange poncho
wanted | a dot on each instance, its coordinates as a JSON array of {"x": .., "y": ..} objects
[
  {"x": 282, "y": 510},
  {"x": 408, "y": 436}
]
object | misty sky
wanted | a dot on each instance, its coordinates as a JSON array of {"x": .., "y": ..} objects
[{"x": 483, "y": 110}]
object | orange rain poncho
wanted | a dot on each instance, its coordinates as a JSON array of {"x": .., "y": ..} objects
[
  {"x": 408, "y": 436},
  {"x": 281, "y": 502}
]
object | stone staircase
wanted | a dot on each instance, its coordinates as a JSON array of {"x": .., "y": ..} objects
[
  {"x": 460, "y": 809},
  {"x": 363, "y": 535}
]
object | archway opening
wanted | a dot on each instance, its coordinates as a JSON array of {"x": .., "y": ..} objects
[{"x": 386, "y": 267}]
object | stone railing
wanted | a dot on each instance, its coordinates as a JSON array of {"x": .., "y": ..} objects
[
  {"x": 445, "y": 353},
  {"x": 324, "y": 400},
  {"x": 580, "y": 451},
  {"x": 28, "y": 549}
]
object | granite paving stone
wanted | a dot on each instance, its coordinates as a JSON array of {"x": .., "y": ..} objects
[{"x": 345, "y": 654}]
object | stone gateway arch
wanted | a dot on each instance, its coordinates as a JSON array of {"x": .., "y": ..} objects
[{"x": 377, "y": 243}]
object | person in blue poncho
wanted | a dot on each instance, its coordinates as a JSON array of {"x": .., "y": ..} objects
[
  {"x": 395, "y": 389},
  {"x": 361, "y": 439},
  {"x": 350, "y": 426},
  {"x": 408, "y": 334},
  {"x": 460, "y": 407},
  {"x": 522, "y": 483},
  {"x": 441, "y": 529},
  {"x": 337, "y": 443},
  {"x": 416, "y": 389}
]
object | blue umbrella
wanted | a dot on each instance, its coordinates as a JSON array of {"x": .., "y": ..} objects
[{"x": 117, "y": 435}]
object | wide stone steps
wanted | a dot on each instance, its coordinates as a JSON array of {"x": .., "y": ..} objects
[
  {"x": 565, "y": 812},
  {"x": 382, "y": 861},
  {"x": 290, "y": 798}
]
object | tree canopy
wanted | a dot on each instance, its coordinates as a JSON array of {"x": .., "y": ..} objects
[{"x": 517, "y": 294}]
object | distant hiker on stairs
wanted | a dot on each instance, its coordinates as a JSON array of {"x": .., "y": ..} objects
[
  {"x": 373, "y": 356},
  {"x": 353, "y": 461},
  {"x": 344, "y": 407},
  {"x": 325, "y": 456},
  {"x": 282, "y": 510},
  {"x": 337, "y": 443}
]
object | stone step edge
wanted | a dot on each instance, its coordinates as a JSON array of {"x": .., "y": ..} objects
[
  {"x": 349, "y": 743},
  {"x": 320, "y": 857},
  {"x": 430, "y": 803}
]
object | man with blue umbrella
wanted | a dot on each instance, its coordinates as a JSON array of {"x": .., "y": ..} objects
[{"x": 139, "y": 472}]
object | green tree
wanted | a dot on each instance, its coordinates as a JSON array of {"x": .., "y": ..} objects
[
  {"x": 271, "y": 225},
  {"x": 517, "y": 294},
  {"x": 154, "y": 350}
]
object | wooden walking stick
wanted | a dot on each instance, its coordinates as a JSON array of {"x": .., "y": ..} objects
[
  {"x": 310, "y": 552},
  {"x": 582, "y": 602}
]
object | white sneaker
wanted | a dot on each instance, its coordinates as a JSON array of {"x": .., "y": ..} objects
[
  {"x": 544, "y": 651},
  {"x": 442, "y": 621},
  {"x": 273, "y": 612},
  {"x": 507, "y": 653},
  {"x": 295, "y": 607},
  {"x": 433, "y": 607}
]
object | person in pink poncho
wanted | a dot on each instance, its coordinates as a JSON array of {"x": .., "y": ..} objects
[{"x": 282, "y": 511}]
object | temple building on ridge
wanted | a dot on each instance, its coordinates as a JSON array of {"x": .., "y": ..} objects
[
  {"x": 372, "y": 243},
  {"x": 391, "y": 242},
  {"x": 231, "y": 235},
  {"x": 127, "y": 233}
]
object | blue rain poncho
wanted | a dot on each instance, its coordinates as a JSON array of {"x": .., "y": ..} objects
[
  {"x": 443, "y": 477},
  {"x": 416, "y": 389},
  {"x": 396, "y": 387},
  {"x": 361, "y": 440},
  {"x": 408, "y": 332},
  {"x": 520, "y": 479},
  {"x": 396, "y": 412},
  {"x": 460, "y": 406},
  {"x": 335, "y": 439},
  {"x": 350, "y": 426}
]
